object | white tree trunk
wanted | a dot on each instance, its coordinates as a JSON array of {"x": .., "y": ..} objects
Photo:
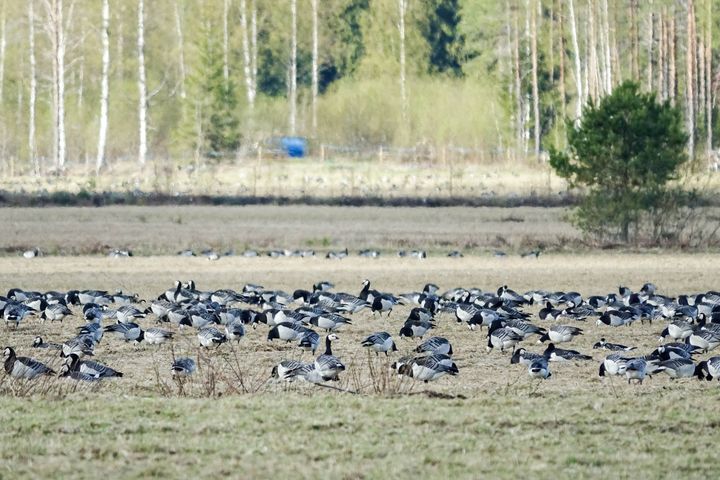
[
  {"x": 606, "y": 35},
  {"x": 253, "y": 44},
  {"x": 142, "y": 85},
  {"x": 247, "y": 61},
  {"x": 315, "y": 77},
  {"x": 576, "y": 54},
  {"x": 181, "y": 47},
  {"x": 33, "y": 89},
  {"x": 3, "y": 44},
  {"x": 55, "y": 29},
  {"x": 402, "y": 5},
  {"x": 226, "y": 68},
  {"x": 536, "y": 100},
  {"x": 104, "y": 90},
  {"x": 690, "y": 80},
  {"x": 292, "y": 87},
  {"x": 708, "y": 80}
]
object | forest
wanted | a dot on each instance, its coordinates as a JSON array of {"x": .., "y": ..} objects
[{"x": 92, "y": 82}]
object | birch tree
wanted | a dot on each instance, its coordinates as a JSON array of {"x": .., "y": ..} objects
[
  {"x": 708, "y": 80},
  {"x": 3, "y": 44},
  {"x": 292, "y": 87},
  {"x": 226, "y": 67},
  {"x": 402, "y": 5},
  {"x": 181, "y": 47},
  {"x": 576, "y": 54},
  {"x": 33, "y": 88},
  {"x": 104, "y": 87},
  {"x": 690, "y": 82},
  {"x": 247, "y": 60},
  {"x": 142, "y": 85},
  {"x": 55, "y": 29},
  {"x": 314, "y": 64},
  {"x": 536, "y": 100}
]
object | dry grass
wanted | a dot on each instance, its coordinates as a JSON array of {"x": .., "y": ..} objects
[
  {"x": 278, "y": 177},
  {"x": 491, "y": 420},
  {"x": 166, "y": 230}
]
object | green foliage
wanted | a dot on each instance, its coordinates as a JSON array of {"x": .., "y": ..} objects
[
  {"x": 214, "y": 99},
  {"x": 441, "y": 30},
  {"x": 624, "y": 151}
]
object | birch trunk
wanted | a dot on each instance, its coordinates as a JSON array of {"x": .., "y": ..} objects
[
  {"x": 634, "y": 40},
  {"x": 563, "y": 97},
  {"x": 3, "y": 44},
  {"x": 247, "y": 62},
  {"x": 536, "y": 100},
  {"x": 142, "y": 86},
  {"x": 104, "y": 90},
  {"x": 181, "y": 47},
  {"x": 662, "y": 56},
  {"x": 55, "y": 29},
  {"x": 578, "y": 71},
  {"x": 293, "y": 68},
  {"x": 518, "y": 84},
  {"x": 606, "y": 38},
  {"x": 650, "y": 45},
  {"x": 253, "y": 44},
  {"x": 402, "y": 4},
  {"x": 226, "y": 68},
  {"x": 315, "y": 78},
  {"x": 708, "y": 80},
  {"x": 33, "y": 89},
  {"x": 690, "y": 63},
  {"x": 672, "y": 79}
]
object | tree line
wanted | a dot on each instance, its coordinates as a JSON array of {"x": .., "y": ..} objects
[{"x": 95, "y": 81}]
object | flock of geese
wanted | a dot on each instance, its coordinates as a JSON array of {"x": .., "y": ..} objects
[{"x": 689, "y": 328}]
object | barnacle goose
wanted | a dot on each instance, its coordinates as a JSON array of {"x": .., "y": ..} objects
[
  {"x": 235, "y": 330},
  {"x": 428, "y": 368},
  {"x": 128, "y": 314},
  {"x": 330, "y": 321},
  {"x": 80, "y": 345},
  {"x": 614, "y": 364},
  {"x": 435, "y": 345},
  {"x": 310, "y": 341},
  {"x": 91, "y": 368},
  {"x": 16, "y": 313},
  {"x": 130, "y": 332},
  {"x": 554, "y": 354},
  {"x": 24, "y": 367},
  {"x": 708, "y": 369},
  {"x": 380, "y": 342},
  {"x": 55, "y": 312},
  {"x": 93, "y": 330},
  {"x": 678, "y": 329},
  {"x": 183, "y": 367},
  {"x": 605, "y": 345},
  {"x": 502, "y": 337},
  {"x": 560, "y": 334},
  {"x": 210, "y": 336},
  {"x": 524, "y": 329},
  {"x": 157, "y": 336},
  {"x": 415, "y": 328},
  {"x": 287, "y": 331},
  {"x": 615, "y": 318},
  {"x": 524, "y": 357},
  {"x": 328, "y": 365},
  {"x": 282, "y": 369},
  {"x": 679, "y": 368},
  {"x": 539, "y": 368},
  {"x": 704, "y": 339},
  {"x": 67, "y": 372},
  {"x": 636, "y": 369},
  {"x": 39, "y": 343}
]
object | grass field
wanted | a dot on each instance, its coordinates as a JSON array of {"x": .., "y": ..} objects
[
  {"x": 166, "y": 230},
  {"x": 491, "y": 420}
]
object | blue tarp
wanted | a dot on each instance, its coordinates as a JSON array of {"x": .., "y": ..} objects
[{"x": 294, "y": 147}]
